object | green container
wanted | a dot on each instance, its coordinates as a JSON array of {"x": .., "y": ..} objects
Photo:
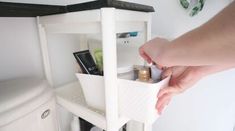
[{"x": 99, "y": 59}]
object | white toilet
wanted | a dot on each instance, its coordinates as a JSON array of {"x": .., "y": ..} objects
[{"x": 27, "y": 104}]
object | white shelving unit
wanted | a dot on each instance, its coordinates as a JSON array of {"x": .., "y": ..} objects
[
  {"x": 70, "y": 96},
  {"x": 105, "y": 21}
]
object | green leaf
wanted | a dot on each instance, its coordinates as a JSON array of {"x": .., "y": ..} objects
[
  {"x": 184, "y": 3},
  {"x": 194, "y": 11}
]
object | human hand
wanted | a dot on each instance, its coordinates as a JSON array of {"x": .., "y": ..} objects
[
  {"x": 182, "y": 78},
  {"x": 152, "y": 49}
]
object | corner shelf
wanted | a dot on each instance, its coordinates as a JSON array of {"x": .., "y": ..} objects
[
  {"x": 70, "y": 97},
  {"x": 105, "y": 21}
]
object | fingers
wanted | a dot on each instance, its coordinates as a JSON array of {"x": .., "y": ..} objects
[
  {"x": 166, "y": 72},
  {"x": 144, "y": 55},
  {"x": 181, "y": 79},
  {"x": 148, "y": 59},
  {"x": 159, "y": 66},
  {"x": 162, "y": 107},
  {"x": 164, "y": 97},
  {"x": 167, "y": 90},
  {"x": 162, "y": 102}
]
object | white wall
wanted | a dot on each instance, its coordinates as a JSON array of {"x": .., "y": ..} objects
[
  {"x": 207, "y": 106},
  {"x": 63, "y": 63},
  {"x": 171, "y": 20},
  {"x": 19, "y": 48}
]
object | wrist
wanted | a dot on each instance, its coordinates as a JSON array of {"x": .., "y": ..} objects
[
  {"x": 209, "y": 69},
  {"x": 203, "y": 71},
  {"x": 162, "y": 55},
  {"x": 198, "y": 72}
]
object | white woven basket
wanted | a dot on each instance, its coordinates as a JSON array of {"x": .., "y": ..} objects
[{"x": 136, "y": 99}]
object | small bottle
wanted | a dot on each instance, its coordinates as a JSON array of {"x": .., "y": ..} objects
[
  {"x": 144, "y": 75},
  {"x": 155, "y": 73}
]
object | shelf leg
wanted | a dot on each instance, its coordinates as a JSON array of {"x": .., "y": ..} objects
[
  {"x": 45, "y": 53},
  {"x": 135, "y": 126},
  {"x": 148, "y": 127},
  {"x": 149, "y": 30},
  {"x": 110, "y": 67}
]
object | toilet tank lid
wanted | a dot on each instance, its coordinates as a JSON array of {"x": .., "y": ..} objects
[{"x": 18, "y": 91}]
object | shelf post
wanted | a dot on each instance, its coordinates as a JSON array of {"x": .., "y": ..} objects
[
  {"x": 45, "y": 52},
  {"x": 148, "y": 126},
  {"x": 148, "y": 27},
  {"x": 110, "y": 67}
]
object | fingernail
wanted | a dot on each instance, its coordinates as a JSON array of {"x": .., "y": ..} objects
[{"x": 159, "y": 112}]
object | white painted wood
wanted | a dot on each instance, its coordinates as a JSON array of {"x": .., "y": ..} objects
[
  {"x": 45, "y": 53},
  {"x": 131, "y": 16},
  {"x": 110, "y": 67},
  {"x": 94, "y": 16},
  {"x": 70, "y": 96},
  {"x": 86, "y": 22},
  {"x": 73, "y": 17},
  {"x": 33, "y": 121},
  {"x": 148, "y": 126},
  {"x": 134, "y": 126},
  {"x": 93, "y": 27},
  {"x": 148, "y": 28},
  {"x": 122, "y": 26},
  {"x": 105, "y": 21},
  {"x": 78, "y": 28}
]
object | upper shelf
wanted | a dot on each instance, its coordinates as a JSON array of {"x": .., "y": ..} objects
[{"x": 8, "y": 9}]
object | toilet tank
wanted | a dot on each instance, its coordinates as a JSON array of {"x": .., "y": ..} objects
[{"x": 27, "y": 104}]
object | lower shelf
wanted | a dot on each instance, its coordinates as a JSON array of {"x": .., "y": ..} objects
[{"x": 70, "y": 97}]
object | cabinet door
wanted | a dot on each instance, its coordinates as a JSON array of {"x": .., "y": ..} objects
[
  {"x": 41, "y": 119},
  {"x": 46, "y": 117}
]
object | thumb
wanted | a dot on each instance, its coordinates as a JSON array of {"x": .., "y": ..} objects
[{"x": 167, "y": 72}]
